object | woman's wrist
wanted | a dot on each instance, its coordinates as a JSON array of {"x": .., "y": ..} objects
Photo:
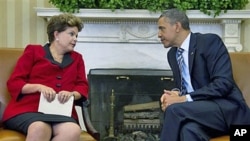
[
  {"x": 73, "y": 94},
  {"x": 76, "y": 95}
]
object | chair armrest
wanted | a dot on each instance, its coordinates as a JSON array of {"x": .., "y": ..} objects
[
  {"x": 86, "y": 118},
  {"x": 1, "y": 111}
]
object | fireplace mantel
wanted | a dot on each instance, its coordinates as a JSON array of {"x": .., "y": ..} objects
[
  {"x": 135, "y": 15},
  {"x": 116, "y": 39},
  {"x": 229, "y": 23}
]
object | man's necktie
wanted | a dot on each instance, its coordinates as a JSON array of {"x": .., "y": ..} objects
[{"x": 180, "y": 61}]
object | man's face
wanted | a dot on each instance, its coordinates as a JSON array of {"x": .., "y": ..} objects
[{"x": 167, "y": 32}]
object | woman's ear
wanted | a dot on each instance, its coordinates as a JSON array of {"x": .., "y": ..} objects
[{"x": 56, "y": 33}]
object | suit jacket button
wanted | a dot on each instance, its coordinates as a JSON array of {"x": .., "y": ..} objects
[
  {"x": 58, "y": 85},
  {"x": 59, "y": 77}
]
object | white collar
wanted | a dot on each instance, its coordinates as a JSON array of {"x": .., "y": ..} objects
[{"x": 185, "y": 44}]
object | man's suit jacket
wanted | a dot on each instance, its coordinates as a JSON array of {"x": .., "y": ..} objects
[{"x": 211, "y": 75}]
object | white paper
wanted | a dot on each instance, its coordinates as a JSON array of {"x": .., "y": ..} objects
[{"x": 55, "y": 107}]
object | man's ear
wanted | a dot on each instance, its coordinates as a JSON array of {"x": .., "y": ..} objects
[{"x": 178, "y": 26}]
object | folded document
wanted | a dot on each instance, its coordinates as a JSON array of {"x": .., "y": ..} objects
[{"x": 55, "y": 107}]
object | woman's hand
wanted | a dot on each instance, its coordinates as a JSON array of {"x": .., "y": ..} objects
[
  {"x": 48, "y": 93},
  {"x": 64, "y": 96}
]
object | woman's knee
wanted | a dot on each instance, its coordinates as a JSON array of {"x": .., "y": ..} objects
[
  {"x": 40, "y": 126},
  {"x": 39, "y": 129},
  {"x": 68, "y": 128}
]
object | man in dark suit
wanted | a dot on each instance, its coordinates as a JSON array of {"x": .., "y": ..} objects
[{"x": 206, "y": 100}]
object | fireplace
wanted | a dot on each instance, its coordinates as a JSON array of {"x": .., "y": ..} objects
[{"x": 125, "y": 102}]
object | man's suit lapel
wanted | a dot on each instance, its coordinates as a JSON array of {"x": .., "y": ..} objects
[
  {"x": 191, "y": 55},
  {"x": 192, "y": 51}
]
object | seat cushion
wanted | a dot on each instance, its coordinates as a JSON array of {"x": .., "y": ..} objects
[
  {"x": 9, "y": 135},
  {"x": 222, "y": 138},
  {"x": 86, "y": 137}
]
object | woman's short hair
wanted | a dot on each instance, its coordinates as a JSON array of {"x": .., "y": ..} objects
[{"x": 61, "y": 23}]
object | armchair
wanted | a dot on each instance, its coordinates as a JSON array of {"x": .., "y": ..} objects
[
  {"x": 8, "y": 58},
  {"x": 240, "y": 64}
]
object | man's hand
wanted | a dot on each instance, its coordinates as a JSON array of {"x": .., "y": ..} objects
[{"x": 171, "y": 97}]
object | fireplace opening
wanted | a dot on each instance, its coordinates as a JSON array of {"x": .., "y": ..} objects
[{"x": 125, "y": 102}]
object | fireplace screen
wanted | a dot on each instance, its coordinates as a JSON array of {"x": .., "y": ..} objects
[{"x": 125, "y": 102}]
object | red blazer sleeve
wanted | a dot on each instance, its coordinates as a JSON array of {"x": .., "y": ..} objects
[
  {"x": 81, "y": 85},
  {"x": 19, "y": 76}
]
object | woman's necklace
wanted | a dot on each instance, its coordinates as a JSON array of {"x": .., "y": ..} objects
[{"x": 57, "y": 58}]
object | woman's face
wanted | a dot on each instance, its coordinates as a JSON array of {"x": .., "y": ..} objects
[{"x": 67, "y": 39}]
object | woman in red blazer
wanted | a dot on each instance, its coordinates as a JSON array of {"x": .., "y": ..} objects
[{"x": 50, "y": 70}]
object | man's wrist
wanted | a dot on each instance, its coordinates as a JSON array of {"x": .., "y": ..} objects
[
  {"x": 188, "y": 98},
  {"x": 177, "y": 90}
]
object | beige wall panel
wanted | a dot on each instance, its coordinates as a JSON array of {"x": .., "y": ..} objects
[
  {"x": 3, "y": 23},
  {"x": 33, "y": 24},
  {"x": 26, "y": 26},
  {"x": 18, "y": 23},
  {"x": 10, "y": 36},
  {"x": 41, "y": 25}
]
